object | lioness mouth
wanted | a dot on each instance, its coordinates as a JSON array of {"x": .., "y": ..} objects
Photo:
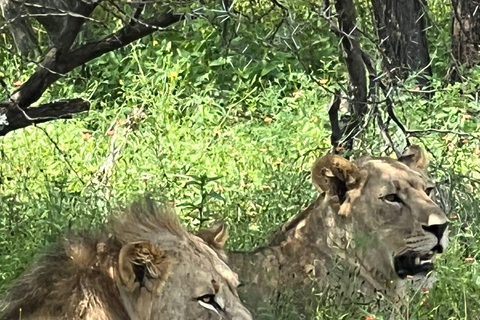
[{"x": 412, "y": 263}]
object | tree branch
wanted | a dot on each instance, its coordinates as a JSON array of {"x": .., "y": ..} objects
[
  {"x": 333, "y": 116},
  {"x": 430, "y": 130},
  {"x": 56, "y": 64},
  {"x": 18, "y": 118}
]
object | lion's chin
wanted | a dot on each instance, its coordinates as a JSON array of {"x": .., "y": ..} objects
[{"x": 413, "y": 263}]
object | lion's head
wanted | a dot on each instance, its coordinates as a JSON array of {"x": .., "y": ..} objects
[
  {"x": 146, "y": 266},
  {"x": 395, "y": 226}
]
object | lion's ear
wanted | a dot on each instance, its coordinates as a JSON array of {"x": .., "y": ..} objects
[
  {"x": 414, "y": 157},
  {"x": 335, "y": 175},
  {"x": 141, "y": 264},
  {"x": 215, "y": 236}
]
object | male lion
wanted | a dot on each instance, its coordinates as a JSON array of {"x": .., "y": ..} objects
[
  {"x": 373, "y": 229},
  {"x": 144, "y": 266}
]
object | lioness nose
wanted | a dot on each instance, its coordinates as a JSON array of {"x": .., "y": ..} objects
[{"x": 437, "y": 226}]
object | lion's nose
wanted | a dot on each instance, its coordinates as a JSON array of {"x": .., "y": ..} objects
[{"x": 437, "y": 226}]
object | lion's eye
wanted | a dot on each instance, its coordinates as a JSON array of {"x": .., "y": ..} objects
[
  {"x": 392, "y": 198},
  {"x": 211, "y": 302},
  {"x": 208, "y": 298},
  {"x": 429, "y": 191}
]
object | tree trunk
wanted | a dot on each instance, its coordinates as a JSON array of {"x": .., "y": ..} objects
[
  {"x": 465, "y": 32},
  {"x": 357, "y": 100},
  {"x": 401, "y": 33}
]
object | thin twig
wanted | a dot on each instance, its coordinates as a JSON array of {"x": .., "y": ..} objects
[
  {"x": 459, "y": 133},
  {"x": 64, "y": 156},
  {"x": 384, "y": 132}
]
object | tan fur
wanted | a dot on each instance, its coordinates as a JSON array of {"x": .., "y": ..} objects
[
  {"x": 332, "y": 167},
  {"x": 143, "y": 266},
  {"x": 414, "y": 157}
]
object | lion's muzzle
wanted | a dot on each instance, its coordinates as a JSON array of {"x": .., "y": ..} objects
[{"x": 419, "y": 259}]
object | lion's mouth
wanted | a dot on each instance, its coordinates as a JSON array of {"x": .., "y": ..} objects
[{"x": 412, "y": 263}]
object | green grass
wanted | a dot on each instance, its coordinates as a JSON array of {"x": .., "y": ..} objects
[{"x": 223, "y": 140}]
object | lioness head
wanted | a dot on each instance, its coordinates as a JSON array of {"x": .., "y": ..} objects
[
  {"x": 146, "y": 267},
  {"x": 396, "y": 226}
]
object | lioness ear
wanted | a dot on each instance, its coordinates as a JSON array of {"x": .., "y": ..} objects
[
  {"x": 142, "y": 265},
  {"x": 215, "y": 236},
  {"x": 334, "y": 174},
  {"x": 414, "y": 157}
]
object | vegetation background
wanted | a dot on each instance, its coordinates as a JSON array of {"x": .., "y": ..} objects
[{"x": 229, "y": 130}]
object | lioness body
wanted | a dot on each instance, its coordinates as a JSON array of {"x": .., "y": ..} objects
[{"x": 372, "y": 228}]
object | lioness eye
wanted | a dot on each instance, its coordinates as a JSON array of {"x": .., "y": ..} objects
[
  {"x": 208, "y": 298},
  {"x": 392, "y": 198},
  {"x": 209, "y": 301}
]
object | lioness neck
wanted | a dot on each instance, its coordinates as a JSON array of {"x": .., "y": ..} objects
[{"x": 315, "y": 247}]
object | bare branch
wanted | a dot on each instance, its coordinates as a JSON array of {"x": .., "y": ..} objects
[
  {"x": 333, "y": 116},
  {"x": 385, "y": 134},
  {"x": 56, "y": 63},
  {"x": 429, "y": 130},
  {"x": 18, "y": 118}
]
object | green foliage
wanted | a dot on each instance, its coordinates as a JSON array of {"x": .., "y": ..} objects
[{"x": 230, "y": 132}]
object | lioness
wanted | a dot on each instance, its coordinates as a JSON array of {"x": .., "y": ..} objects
[
  {"x": 144, "y": 266},
  {"x": 372, "y": 229}
]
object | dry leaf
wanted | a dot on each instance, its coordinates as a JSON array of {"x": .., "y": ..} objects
[
  {"x": 86, "y": 135},
  {"x": 417, "y": 89},
  {"x": 476, "y": 151},
  {"x": 323, "y": 81},
  {"x": 297, "y": 94}
]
